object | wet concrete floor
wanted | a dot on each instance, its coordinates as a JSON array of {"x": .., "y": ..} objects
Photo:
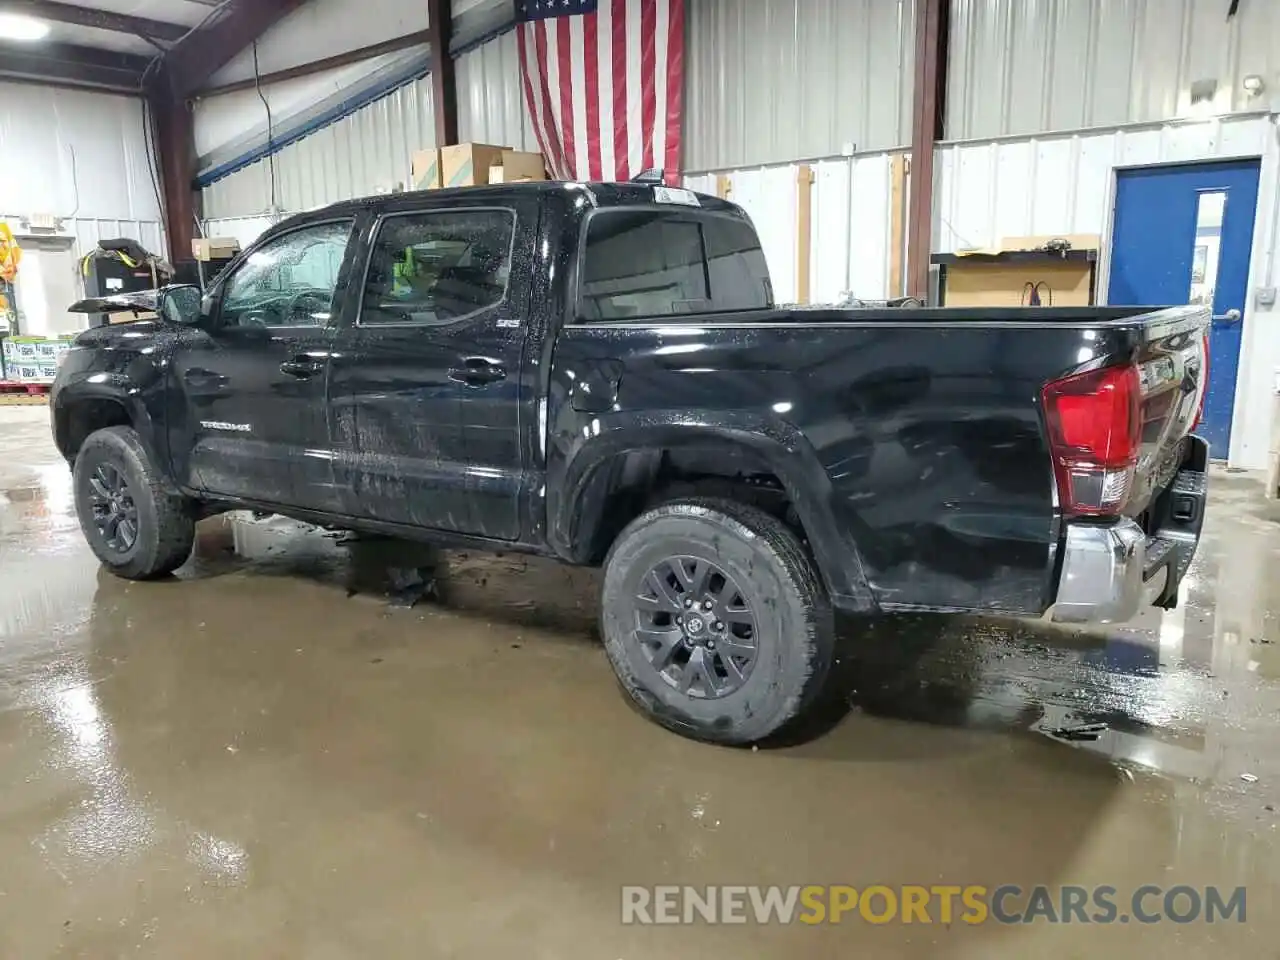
[{"x": 263, "y": 758}]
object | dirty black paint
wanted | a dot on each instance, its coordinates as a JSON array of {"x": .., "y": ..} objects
[{"x": 908, "y": 443}]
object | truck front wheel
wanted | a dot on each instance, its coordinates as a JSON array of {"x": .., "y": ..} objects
[
  {"x": 134, "y": 524},
  {"x": 715, "y": 620}
]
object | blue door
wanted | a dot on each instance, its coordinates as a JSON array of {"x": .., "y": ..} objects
[{"x": 1182, "y": 234}]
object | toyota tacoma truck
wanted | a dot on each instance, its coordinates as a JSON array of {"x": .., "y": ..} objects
[{"x": 599, "y": 373}]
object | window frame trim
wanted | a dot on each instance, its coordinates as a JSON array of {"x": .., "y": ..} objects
[
  {"x": 225, "y": 279},
  {"x": 575, "y": 319},
  {"x": 358, "y": 321}
]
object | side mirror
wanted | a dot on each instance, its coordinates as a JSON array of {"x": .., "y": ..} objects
[{"x": 180, "y": 304}]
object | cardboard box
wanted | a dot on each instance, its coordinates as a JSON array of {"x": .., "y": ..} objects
[
  {"x": 518, "y": 166},
  {"x": 426, "y": 170},
  {"x": 214, "y": 248},
  {"x": 467, "y": 164}
]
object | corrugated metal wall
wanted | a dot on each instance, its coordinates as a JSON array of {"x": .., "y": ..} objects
[
  {"x": 1062, "y": 184},
  {"x": 369, "y": 151},
  {"x": 770, "y": 81},
  {"x": 490, "y": 96},
  {"x": 1029, "y": 66},
  {"x": 66, "y": 149}
]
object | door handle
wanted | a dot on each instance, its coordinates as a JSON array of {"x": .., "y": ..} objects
[
  {"x": 301, "y": 367},
  {"x": 477, "y": 371},
  {"x": 1231, "y": 316}
]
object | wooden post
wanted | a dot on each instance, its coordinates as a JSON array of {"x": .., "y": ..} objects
[
  {"x": 804, "y": 230},
  {"x": 928, "y": 112},
  {"x": 898, "y": 168}
]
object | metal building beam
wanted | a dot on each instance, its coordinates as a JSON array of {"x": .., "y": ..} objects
[
  {"x": 188, "y": 65},
  {"x": 68, "y": 64},
  {"x": 928, "y": 112},
  {"x": 444, "y": 88},
  {"x": 101, "y": 19},
  {"x": 173, "y": 134}
]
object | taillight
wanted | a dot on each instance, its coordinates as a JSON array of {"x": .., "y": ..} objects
[
  {"x": 1095, "y": 429},
  {"x": 1204, "y": 382}
]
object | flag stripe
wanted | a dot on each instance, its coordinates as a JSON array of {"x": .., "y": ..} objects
[
  {"x": 621, "y": 120},
  {"x": 578, "y": 91},
  {"x": 648, "y": 79},
  {"x": 555, "y": 155},
  {"x": 603, "y": 84},
  {"x": 635, "y": 89},
  {"x": 563, "y": 58},
  {"x": 591, "y": 84},
  {"x": 523, "y": 40},
  {"x": 675, "y": 88}
]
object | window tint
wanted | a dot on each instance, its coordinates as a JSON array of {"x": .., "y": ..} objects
[
  {"x": 438, "y": 267},
  {"x": 736, "y": 265},
  {"x": 289, "y": 281},
  {"x": 648, "y": 263}
]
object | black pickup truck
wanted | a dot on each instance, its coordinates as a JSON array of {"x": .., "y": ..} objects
[{"x": 599, "y": 373}]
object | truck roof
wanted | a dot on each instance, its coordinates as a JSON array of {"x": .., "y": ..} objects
[{"x": 602, "y": 194}]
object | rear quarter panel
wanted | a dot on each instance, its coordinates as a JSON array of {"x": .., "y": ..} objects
[{"x": 918, "y": 447}]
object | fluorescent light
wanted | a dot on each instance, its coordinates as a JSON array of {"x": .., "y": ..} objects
[{"x": 14, "y": 26}]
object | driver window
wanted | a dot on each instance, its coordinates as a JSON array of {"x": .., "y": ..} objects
[{"x": 289, "y": 281}]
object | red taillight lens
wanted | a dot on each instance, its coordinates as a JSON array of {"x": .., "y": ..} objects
[
  {"x": 1204, "y": 383},
  {"x": 1095, "y": 429}
]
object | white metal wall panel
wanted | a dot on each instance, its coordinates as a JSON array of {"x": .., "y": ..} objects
[
  {"x": 1031, "y": 66},
  {"x": 1066, "y": 183},
  {"x": 841, "y": 261},
  {"x": 1063, "y": 183},
  {"x": 367, "y": 152},
  {"x": 41, "y": 128},
  {"x": 491, "y": 106},
  {"x": 772, "y": 81}
]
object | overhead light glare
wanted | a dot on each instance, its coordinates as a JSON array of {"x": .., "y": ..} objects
[{"x": 15, "y": 26}]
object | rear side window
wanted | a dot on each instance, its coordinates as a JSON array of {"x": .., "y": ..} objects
[
  {"x": 437, "y": 267},
  {"x": 640, "y": 264}
]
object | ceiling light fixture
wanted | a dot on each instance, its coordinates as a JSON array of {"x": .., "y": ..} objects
[{"x": 14, "y": 26}]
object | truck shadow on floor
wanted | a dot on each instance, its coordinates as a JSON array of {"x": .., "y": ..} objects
[{"x": 952, "y": 671}]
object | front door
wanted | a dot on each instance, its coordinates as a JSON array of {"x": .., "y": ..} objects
[
  {"x": 254, "y": 375},
  {"x": 426, "y": 391},
  {"x": 1183, "y": 234}
]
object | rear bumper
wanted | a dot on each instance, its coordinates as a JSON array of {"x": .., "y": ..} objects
[{"x": 1112, "y": 571}]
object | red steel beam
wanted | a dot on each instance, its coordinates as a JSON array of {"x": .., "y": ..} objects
[
  {"x": 927, "y": 122},
  {"x": 444, "y": 89},
  {"x": 173, "y": 134}
]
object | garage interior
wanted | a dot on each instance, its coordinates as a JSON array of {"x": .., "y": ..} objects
[{"x": 274, "y": 754}]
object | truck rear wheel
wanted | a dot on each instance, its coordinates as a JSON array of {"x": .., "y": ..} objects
[
  {"x": 134, "y": 524},
  {"x": 716, "y": 621}
]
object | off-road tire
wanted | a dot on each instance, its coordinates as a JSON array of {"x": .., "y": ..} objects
[
  {"x": 166, "y": 522},
  {"x": 796, "y": 638}
]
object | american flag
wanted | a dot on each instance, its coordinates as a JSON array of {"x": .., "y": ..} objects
[{"x": 604, "y": 84}]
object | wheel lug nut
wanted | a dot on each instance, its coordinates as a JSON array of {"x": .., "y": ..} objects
[
  {"x": 688, "y": 602},
  {"x": 718, "y": 626},
  {"x": 680, "y": 621},
  {"x": 706, "y": 604},
  {"x": 711, "y": 644}
]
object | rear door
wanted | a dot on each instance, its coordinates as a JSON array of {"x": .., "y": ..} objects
[
  {"x": 1183, "y": 234},
  {"x": 427, "y": 389}
]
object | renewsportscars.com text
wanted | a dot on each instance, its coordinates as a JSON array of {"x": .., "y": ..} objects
[{"x": 936, "y": 903}]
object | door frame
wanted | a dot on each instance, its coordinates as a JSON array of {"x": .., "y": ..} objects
[{"x": 1265, "y": 218}]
